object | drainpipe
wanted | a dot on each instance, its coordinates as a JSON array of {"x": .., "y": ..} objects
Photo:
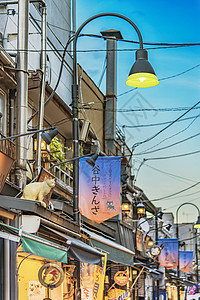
[
  {"x": 22, "y": 86},
  {"x": 111, "y": 37},
  {"x": 7, "y": 266},
  {"x": 11, "y": 113},
  {"x": 42, "y": 96},
  {"x": 22, "y": 91}
]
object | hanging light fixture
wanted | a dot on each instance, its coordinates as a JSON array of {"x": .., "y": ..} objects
[
  {"x": 140, "y": 210},
  {"x": 48, "y": 136},
  {"x": 160, "y": 215},
  {"x": 142, "y": 73},
  {"x": 168, "y": 227},
  {"x": 150, "y": 243},
  {"x": 126, "y": 205},
  {"x": 92, "y": 159},
  {"x": 197, "y": 225}
]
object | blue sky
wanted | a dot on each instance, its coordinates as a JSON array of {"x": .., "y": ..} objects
[{"x": 162, "y": 22}]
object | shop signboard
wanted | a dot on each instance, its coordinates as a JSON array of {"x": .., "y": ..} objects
[
  {"x": 139, "y": 237},
  {"x": 92, "y": 280},
  {"x": 186, "y": 261},
  {"x": 121, "y": 278},
  {"x": 99, "y": 188},
  {"x": 6, "y": 163},
  {"x": 117, "y": 294},
  {"x": 51, "y": 275},
  {"x": 191, "y": 292},
  {"x": 168, "y": 257},
  {"x": 193, "y": 297},
  {"x": 36, "y": 291}
]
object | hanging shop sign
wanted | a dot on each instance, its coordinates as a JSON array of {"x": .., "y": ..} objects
[
  {"x": 92, "y": 280},
  {"x": 185, "y": 261},
  {"x": 191, "y": 291},
  {"x": 99, "y": 188},
  {"x": 121, "y": 278},
  {"x": 155, "y": 250},
  {"x": 99, "y": 277},
  {"x": 117, "y": 294},
  {"x": 168, "y": 257},
  {"x": 6, "y": 163},
  {"x": 139, "y": 238},
  {"x": 51, "y": 275}
]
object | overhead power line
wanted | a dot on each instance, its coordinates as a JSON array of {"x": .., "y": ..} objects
[
  {"x": 169, "y": 146},
  {"x": 179, "y": 192},
  {"x": 173, "y": 156},
  {"x": 129, "y": 110},
  {"x": 158, "y": 124},
  {"x": 159, "y": 132},
  {"x": 167, "y": 173},
  {"x": 173, "y": 135},
  {"x": 179, "y": 202}
]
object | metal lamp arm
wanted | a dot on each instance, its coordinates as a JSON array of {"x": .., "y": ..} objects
[
  {"x": 24, "y": 134},
  {"x": 177, "y": 231},
  {"x": 99, "y": 16}
]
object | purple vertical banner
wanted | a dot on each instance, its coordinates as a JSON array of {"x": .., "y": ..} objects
[
  {"x": 99, "y": 188},
  {"x": 185, "y": 261},
  {"x": 169, "y": 254}
]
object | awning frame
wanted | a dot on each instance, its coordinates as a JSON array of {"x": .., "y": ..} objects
[{"x": 77, "y": 246}]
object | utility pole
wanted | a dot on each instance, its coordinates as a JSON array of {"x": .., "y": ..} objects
[
  {"x": 22, "y": 91},
  {"x": 42, "y": 96},
  {"x": 156, "y": 236},
  {"x": 196, "y": 256}
]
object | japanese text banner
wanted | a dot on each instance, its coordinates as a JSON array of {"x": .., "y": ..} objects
[
  {"x": 99, "y": 188},
  {"x": 185, "y": 261},
  {"x": 169, "y": 254}
]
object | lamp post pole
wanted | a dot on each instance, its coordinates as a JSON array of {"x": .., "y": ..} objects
[
  {"x": 177, "y": 235},
  {"x": 75, "y": 120},
  {"x": 156, "y": 238},
  {"x": 145, "y": 68}
]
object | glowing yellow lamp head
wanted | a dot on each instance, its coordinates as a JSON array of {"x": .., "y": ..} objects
[
  {"x": 140, "y": 209},
  {"x": 125, "y": 207},
  {"x": 142, "y": 73},
  {"x": 197, "y": 225},
  {"x": 150, "y": 243}
]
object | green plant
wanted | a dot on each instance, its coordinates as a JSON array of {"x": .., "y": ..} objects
[{"x": 57, "y": 152}]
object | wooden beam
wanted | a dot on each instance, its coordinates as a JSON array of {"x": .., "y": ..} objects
[{"x": 7, "y": 214}]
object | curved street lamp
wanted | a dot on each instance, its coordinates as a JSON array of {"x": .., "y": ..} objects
[
  {"x": 177, "y": 235},
  {"x": 141, "y": 75}
]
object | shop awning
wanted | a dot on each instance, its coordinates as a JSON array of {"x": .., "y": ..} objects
[
  {"x": 35, "y": 245},
  {"x": 78, "y": 250},
  {"x": 116, "y": 252},
  {"x": 44, "y": 248}
]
